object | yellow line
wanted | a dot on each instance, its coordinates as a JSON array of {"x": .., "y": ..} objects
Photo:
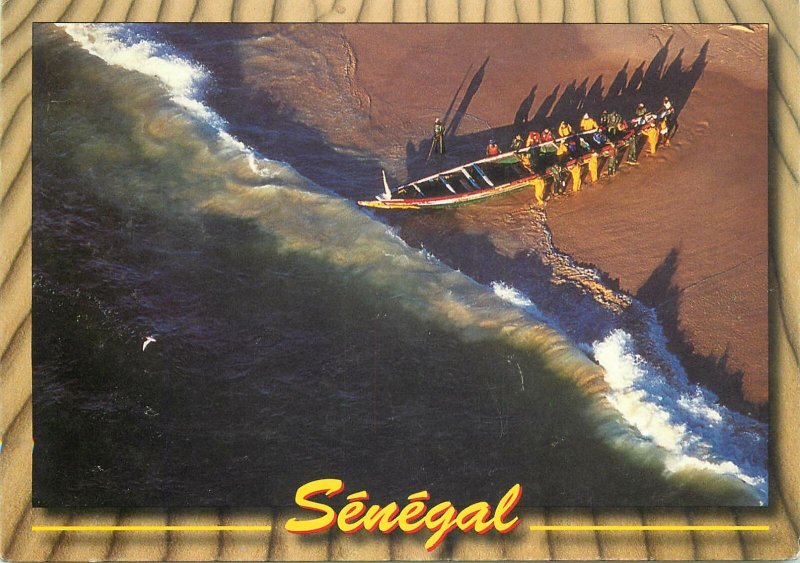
[
  {"x": 269, "y": 528},
  {"x": 649, "y": 528},
  {"x": 151, "y": 528}
]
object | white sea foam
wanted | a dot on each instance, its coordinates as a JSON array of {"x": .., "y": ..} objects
[
  {"x": 515, "y": 297},
  {"x": 651, "y": 390},
  {"x": 183, "y": 79},
  {"x": 695, "y": 432},
  {"x": 685, "y": 421}
]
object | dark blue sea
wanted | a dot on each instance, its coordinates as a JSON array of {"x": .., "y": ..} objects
[{"x": 298, "y": 336}]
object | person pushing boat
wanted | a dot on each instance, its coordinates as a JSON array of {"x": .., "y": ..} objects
[
  {"x": 669, "y": 123},
  {"x": 564, "y": 129},
  {"x": 546, "y": 163},
  {"x": 588, "y": 123}
]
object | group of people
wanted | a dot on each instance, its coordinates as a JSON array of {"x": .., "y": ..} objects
[
  {"x": 611, "y": 128},
  {"x": 658, "y": 127},
  {"x": 561, "y": 154}
]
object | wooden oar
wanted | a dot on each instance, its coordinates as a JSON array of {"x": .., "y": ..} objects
[{"x": 430, "y": 152}]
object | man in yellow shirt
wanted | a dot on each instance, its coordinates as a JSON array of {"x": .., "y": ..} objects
[{"x": 587, "y": 123}]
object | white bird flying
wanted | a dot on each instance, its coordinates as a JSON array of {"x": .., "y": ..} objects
[{"x": 147, "y": 341}]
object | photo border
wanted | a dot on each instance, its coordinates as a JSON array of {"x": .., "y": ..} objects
[{"x": 559, "y": 533}]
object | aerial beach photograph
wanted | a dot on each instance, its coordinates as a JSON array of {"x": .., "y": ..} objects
[{"x": 451, "y": 258}]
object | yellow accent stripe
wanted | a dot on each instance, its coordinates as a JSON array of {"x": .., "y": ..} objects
[
  {"x": 649, "y": 528},
  {"x": 151, "y": 528},
  {"x": 565, "y": 528}
]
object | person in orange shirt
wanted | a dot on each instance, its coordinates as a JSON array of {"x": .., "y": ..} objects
[{"x": 492, "y": 149}]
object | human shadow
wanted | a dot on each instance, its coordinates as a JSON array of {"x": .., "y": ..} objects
[
  {"x": 420, "y": 155},
  {"x": 446, "y": 117},
  {"x": 716, "y": 373},
  {"x": 617, "y": 86},
  {"x": 472, "y": 89},
  {"x": 540, "y": 117},
  {"x": 521, "y": 117},
  {"x": 648, "y": 83}
]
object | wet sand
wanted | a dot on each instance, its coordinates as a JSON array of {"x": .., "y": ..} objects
[
  {"x": 20, "y": 543},
  {"x": 685, "y": 232}
]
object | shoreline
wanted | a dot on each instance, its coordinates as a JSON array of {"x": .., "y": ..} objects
[
  {"x": 692, "y": 256},
  {"x": 387, "y": 108},
  {"x": 705, "y": 275}
]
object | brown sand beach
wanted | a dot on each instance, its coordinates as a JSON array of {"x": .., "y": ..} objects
[
  {"x": 689, "y": 268},
  {"x": 685, "y": 232}
]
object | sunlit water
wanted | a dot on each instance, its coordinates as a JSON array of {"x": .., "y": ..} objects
[{"x": 298, "y": 337}]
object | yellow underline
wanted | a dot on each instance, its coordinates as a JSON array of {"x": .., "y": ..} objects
[
  {"x": 649, "y": 528},
  {"x": 269, "y": 528},
  {"x": 151, "y": 528}
]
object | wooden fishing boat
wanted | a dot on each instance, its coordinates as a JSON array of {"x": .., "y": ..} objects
[{"x": 507, "y": 172}]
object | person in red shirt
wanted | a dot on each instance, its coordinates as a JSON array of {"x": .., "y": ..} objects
[{"x": 492, "y": 149}]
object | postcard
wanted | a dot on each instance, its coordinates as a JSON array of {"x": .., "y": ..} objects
[{"x": 367, "y": 282}]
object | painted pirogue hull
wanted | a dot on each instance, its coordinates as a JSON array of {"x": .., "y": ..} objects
[
  {"x": 444, "y": 202},
  {"x": 473, "y": 192}
]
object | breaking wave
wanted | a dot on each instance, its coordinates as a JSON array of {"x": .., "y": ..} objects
[
  {"x": 648, "y": 385},
  {"x": 655, "y": 408},
  {"x": 684, "y": 420}
]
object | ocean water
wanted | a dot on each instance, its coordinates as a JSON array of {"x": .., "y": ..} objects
[{"x": 299, "y": 337}]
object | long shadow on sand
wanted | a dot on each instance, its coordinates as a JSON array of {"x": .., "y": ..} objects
[
  {"x": 646, "y": 83},
  {"x": 649, "y": 82},
  {"x": 662, "y": 294},
  {"x": 475, "y": 255}
]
